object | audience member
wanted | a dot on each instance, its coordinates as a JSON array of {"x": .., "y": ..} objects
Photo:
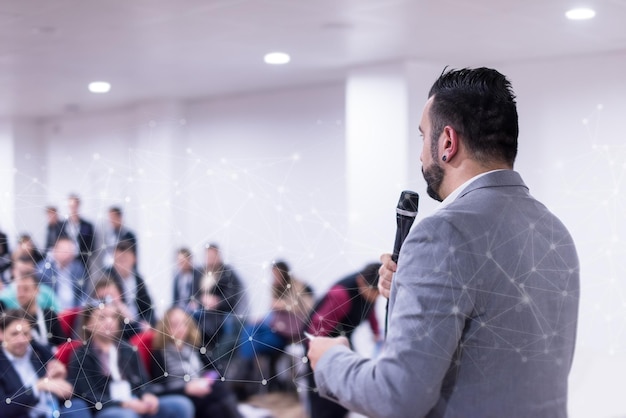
[
  {"x": 54, "y": 227},
  {"x": 79, "y": 230},
  {"x": 178, "y": 369},
  {"x": 134, "y": 290},
  {"x": 292, "y": 301},
  {"x": 108, "y": 374},
  {"x": 26, "y": 247},
  {"x": 113, "y": 233},
  {"x": 187, "y": 282},
  {"x": 45, "y": 328},
  {"x": 108, "y": 290},
  {"x": 62, "y": 271},
  {"x": 31, "y": 381},
  {"x": 225, "y": 292},
  {"x": 22, "y": 266},
  {"x": 339, "y": 312},
  {"x": 5, "y": 257}
]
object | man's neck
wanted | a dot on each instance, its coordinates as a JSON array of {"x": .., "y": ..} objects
[{"x": 457, "y": 175}]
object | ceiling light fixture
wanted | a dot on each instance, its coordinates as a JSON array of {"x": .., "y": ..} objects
[
  {"x": 580, "y": 14},
  {"x": 276, "y": 58},
  {"x": 99, "y": 87}
]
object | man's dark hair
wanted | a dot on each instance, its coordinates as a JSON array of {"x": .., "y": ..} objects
[
  {"x": 116, "y": 210},
  {"x": 126, "y": 245},
  {"x": 370, "y": 274},
  {"x": 185, "y": 252},
  {"x": 480, "y": 105},
  {"x": 11, "y": 315}
]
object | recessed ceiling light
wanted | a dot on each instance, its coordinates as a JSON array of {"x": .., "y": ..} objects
[
  {"x": 277, "y": 58},
  {"x": 99, "y": 87},
  {"x": 580, "y": 14}
]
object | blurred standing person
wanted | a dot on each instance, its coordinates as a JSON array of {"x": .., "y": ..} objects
[
  {"x": 115, "y": 232},
  {"x": 79, "y": 230},
  {"x": 187, "y": 282},
  {"x": 54, "y": 227},
  {"x": 483, "y": 305}
]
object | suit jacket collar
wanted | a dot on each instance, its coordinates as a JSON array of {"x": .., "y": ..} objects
[{"x": 496, "y": 178}]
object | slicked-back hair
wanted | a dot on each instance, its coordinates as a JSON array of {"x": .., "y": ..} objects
[{"x": 480, "y": 105}]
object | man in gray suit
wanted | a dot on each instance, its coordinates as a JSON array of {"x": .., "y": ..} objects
[{"x": 483, "y": 305}]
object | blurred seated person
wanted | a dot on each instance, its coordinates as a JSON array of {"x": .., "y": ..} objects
[
  {"x": 225, "y": 290},
  {"x": 108, "y": 374},
  {"x": 5, "y": 257},
  {"x": 219, "y": 332},
  {"x": 292, "y": 301},
  {"x": 65, "y": 273},
  {"x": 187, "y": 282},
  {"x": 26, "y": 247},
  {"x": 134, "y": 290},
  {"x": 31, "y": 381},
  {"x": 177, "y": 367},
  {"x": 45, "y": 328},
  {"x": 46, "y": 299},
  {"x": 108, "y": 290}
]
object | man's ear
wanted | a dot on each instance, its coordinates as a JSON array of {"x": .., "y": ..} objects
[{"x": 450, "y": 143}]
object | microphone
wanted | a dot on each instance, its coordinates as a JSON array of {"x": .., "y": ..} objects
[{"x": 406, "y": 211}]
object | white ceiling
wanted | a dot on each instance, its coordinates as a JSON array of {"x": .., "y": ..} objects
[{"x": 178, "y": 49}]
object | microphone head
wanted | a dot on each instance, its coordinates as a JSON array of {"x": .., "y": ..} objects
[{"x": 407, "y": 204}]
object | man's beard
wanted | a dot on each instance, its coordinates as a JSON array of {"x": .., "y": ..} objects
[{"x": 434, "y": 177}]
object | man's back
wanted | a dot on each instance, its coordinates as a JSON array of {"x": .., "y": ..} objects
[{"x": 502, "y": 272}]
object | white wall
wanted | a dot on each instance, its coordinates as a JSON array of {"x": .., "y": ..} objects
[{"x": 263, "y": 175}]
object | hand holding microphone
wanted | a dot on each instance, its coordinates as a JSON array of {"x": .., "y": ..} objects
[{"x": 406, "y": 211}]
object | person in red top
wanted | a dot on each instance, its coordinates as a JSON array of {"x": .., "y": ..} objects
[{"x": 348, "y": 303}]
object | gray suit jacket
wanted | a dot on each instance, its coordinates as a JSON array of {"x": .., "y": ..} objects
[{"x": 482, "y": 315}]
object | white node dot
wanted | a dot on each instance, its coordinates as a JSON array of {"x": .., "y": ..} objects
[
  {"x": 564, "y": 293},
  {"x": 264, "y": 382},
  {"x": 68, "y": 403},
  {"x": 524, "y": 359},
  {"x": 223, "y": 379},
  {"x": 488, "y": 254},
  {"x": 455, "y": 310},
  {"x": 186, "y": 378},
  {"x": 8, "y": 401},
  {"x": 202, "y": 350},
  {"x": 98, "y": 405},
  {"x": 126, "y": 321},
  {"x": 56, "y": 414},
  {"x": 165, "y": 374},
  {"x": 305, "y": 360},
  {"x": 250, "y": 338}
]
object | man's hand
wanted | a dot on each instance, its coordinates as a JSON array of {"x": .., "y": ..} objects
[
  {"x": 385, "y": 274},
  {"x": 55, "y": 369},
  {"x": 319, "y": 345}
]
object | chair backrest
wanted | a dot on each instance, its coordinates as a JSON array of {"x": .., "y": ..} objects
[
  {"x": 143, "y": 342},
  {"x": 65, "y": 350},
  {"x": 67, "y": 319}
]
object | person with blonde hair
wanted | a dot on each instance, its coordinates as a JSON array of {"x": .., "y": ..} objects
[
  {"x": 108, "y": 374},
  {"x": 177, "y": 367}
]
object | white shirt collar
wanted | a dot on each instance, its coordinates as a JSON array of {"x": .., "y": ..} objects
[{"x": 456, "y": 192}]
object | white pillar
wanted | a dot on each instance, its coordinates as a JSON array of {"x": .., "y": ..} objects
[{"x": 383, "y": 110}]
